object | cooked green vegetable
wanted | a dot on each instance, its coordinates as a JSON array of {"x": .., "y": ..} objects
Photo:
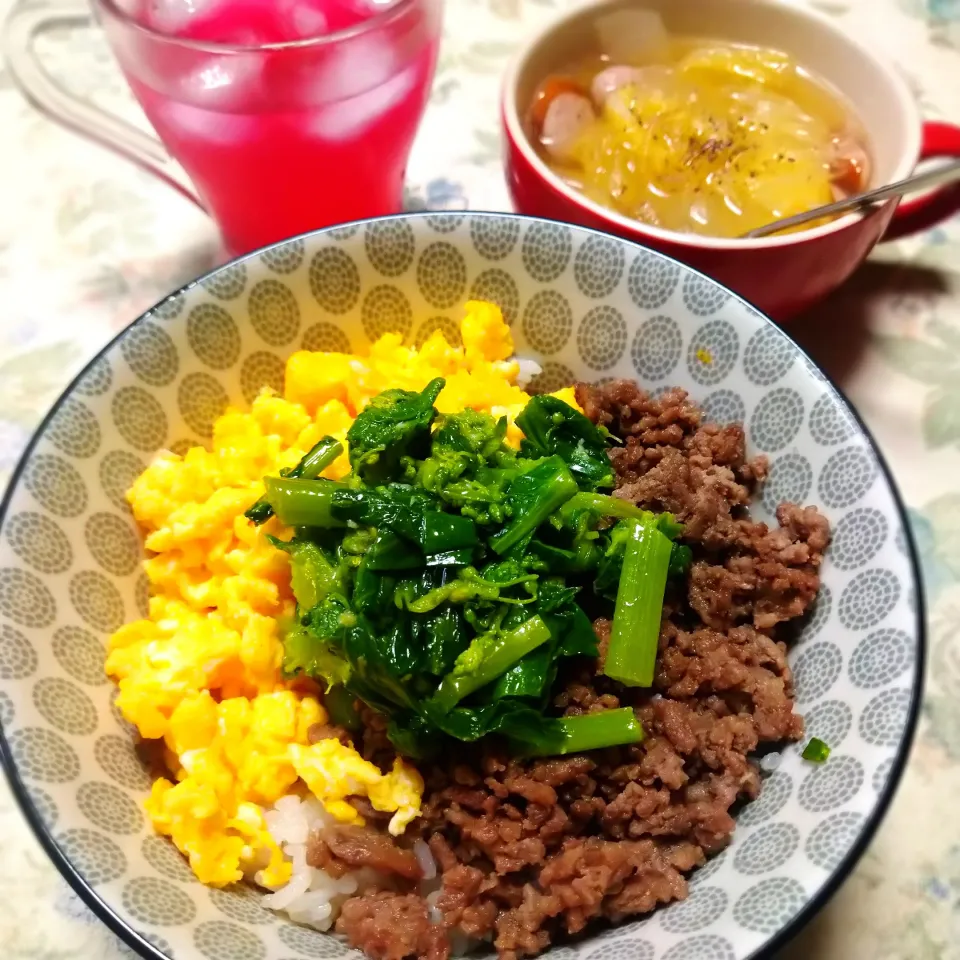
[
  {"x": 393, "y": 425},
  {"x": 532, "y": 497},
  {"x": 487, "y": 657},
  {"x": 681, "y": 556},
  {"x": 593, "y": 731},
  {"x": 552, "y": 427},
  {"x": 610, "y": 564},
  {"x": 605, "y": 505},
  {"x": 816, "y": 751},
  {"x": 304, "y": 653},
  {"x": 314, "y": 462},
  {"x": 608, "y": 506},
  {"x": 441, "y": 581},
  {"x": 632, "y": 652},
  {"x": 302, "y": 503}
]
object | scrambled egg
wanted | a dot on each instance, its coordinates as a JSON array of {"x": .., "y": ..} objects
[{"x": 202, "y": 672}]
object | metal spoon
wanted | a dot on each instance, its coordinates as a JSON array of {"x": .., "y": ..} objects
[{"x": 944, "y": 173}]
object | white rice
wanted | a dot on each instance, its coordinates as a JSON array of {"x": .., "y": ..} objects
[
  {"x": 312, "y": 897},
  {"x": 427, "y": 864},
  {"x": 528, "y": 370},
  {"x": 435, "y": 915}
]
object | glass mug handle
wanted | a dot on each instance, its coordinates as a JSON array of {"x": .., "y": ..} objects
[{"x": 20, "y": 32}]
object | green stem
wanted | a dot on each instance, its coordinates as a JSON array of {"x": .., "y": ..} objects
[
  {"x": 311, "y": 465},
  {"x": 592, "y": 731},
  {"x": 443, "y": 532},
  {"x": 533, "y": 497},
  {"x": 487, "y": 658},
  {"x": 606, "y": 506},
  {"x": 302, "y": 503},
  {"x": 632, "y": 653},
  {"x": 318, "y": 458}
]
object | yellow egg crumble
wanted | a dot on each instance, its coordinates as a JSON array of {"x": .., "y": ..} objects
[{"x": 202, "y": 672}]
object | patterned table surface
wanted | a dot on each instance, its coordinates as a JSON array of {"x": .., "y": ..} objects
[{"x": 87, "y": 242}]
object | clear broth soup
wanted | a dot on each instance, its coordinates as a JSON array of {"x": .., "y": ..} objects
[{"x": 697, "y": 135}]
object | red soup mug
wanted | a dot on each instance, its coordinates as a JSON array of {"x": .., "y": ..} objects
[{"x": 781, "y": 275}]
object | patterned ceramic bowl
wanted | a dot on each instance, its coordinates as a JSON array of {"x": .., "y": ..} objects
[{"x": 582, "y": 304}]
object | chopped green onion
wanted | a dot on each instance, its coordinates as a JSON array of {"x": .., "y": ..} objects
[
  {"x": 593, "y": 731},
  {"x": 816, "y": 751},
  {"x": 634, "y": 635}
]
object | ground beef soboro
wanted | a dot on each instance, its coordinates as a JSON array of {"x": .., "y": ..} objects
[{"x": 534, "y": 851}]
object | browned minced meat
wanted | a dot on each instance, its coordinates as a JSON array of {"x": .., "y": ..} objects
[
  {"x": 352, "y": 847},
  {"x": 367, "y": 810},
  {"x": 744, "y": 571},
  {"x": 391, "y": 926},
  {"x": 329, "y": 731},
  {"x": 530, "y": 851}
]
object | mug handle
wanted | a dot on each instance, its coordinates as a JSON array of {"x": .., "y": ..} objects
[
  {"x": 20, "y": 32},
  {"x": 914, "y": 216}
]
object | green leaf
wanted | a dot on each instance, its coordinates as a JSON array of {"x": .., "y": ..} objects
[
  {"x": 941, "y": 416},
  {"x": 919, "y": 360},
  {"x": 304, "y": 652},
  {"x": 394, "y": 424},
  {"x": 551, "y": 426}
]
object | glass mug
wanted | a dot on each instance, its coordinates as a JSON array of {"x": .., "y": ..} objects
[{"x": 277, "y": 138}]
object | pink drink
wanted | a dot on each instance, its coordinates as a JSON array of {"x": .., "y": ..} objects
[{"x": 288, "y": 115}]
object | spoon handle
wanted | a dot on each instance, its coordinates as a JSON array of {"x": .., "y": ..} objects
[{"x": 942, "y": 173}]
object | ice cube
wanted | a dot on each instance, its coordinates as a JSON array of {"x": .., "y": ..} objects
[
  {"x": 350, "y": 117},
  {"x": 342, "y": 14},
  {"x": 632, "y": 36},
  {"x": 218, "y": 100},
  {"x": 238, "y": 22},
  {"x": 221, "y": 129},
  {"x": 176, "y": 17},
  {"x": 302, "y": 19},
  {"x": 352, "y": 67},
  {"x": 231, "y": 82}
]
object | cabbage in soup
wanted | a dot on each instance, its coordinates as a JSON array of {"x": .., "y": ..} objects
[{"x": 696, "y": 135}]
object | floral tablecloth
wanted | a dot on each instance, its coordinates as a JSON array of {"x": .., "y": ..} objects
[{"x": 87, "y": 242}]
